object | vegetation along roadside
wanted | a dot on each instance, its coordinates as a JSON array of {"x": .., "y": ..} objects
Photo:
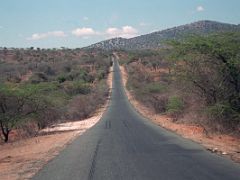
[
  {"x": 42, "y": 87},
  {"x": 193, "y": 82}
]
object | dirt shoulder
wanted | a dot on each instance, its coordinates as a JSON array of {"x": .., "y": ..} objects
[
  {"x": 225, "y": 145},
  {"x": 24, "y": 158}
]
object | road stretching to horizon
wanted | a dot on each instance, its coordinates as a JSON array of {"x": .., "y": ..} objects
[{"x": 125, "y": 146}]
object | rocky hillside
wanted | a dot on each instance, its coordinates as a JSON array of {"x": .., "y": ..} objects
[
  {"x": 111, "y": 44},
  {"x": 156, "y": 39}
]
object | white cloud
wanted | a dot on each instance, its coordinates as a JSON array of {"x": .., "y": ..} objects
[
  {"x": 124, "y": 32},
  {"x": 113, "y": 31},
  {"x": 57, "y": 34},
  {"x": 129, "y": 30},
  {"x": 84, "y": 32},
  {"x": 39, "y": 36},
  {"x": 200, "y": 9},
  {"x": 87, "y": 32}
]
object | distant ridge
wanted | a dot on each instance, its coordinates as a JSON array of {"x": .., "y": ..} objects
[{"x": 155, "y": 40}]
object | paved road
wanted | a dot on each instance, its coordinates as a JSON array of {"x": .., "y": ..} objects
[{"x": 125, "y": 146}]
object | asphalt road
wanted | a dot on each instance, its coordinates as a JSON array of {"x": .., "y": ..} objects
[{"x": 125, "y": 146}]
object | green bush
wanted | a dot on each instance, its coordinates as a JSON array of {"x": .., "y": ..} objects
[
  {"x": 223, "y": 111},
  {"x": 155, "y": 88},
  {"x": 101, "y": 74},
  {"x": 85, "y": 76},
  {"x": 81, "y": 88},
  {"x": 58, "y": 98},
  {"x": 28, "y": 89},
  {"x": 76, "y": 87},
  {"x": 61, "y": 79},
  {"x": 175, "y": 105},
  {"x": 38, "y": 78}
]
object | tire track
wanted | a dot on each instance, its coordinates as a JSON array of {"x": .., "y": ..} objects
[{"x": 93, "y": 165}]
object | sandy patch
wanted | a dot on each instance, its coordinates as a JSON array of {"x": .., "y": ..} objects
[
  {"x": 24, "y": 158},
  {"x": 221, "y": 144}
]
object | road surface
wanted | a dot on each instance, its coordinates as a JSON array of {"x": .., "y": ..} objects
[{"x": 125, "y": 146}]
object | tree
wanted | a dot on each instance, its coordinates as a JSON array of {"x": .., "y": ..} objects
[
  {"x": 211, "y": 66},
  {"x": 17, "y": 104}
]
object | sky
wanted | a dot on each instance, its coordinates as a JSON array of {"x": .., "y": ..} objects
[{"x": 79, "y": 23}]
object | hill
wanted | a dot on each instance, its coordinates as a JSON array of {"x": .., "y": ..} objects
[{"x": 155, "y": 40}]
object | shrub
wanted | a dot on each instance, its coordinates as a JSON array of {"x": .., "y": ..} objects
[
  {"x": 67, "y": 68},
  {"x": 38, "y": 77},
  {"x": 82, "y": 106},
  {"x": 61, "y": 79},
  {"x": 175, "y": 106},
  {"x": 223, "y": 114},
  {"x": 14, "y": 79},
  {"x": 76, "y": 87},
  {"x": 58, "y": 98},
  {"x": 49, "y": 71},
  {"x": 48, "y": 117},
  {"x": 101, "y": 74},
  {"x": 85, "y": 76},
  {"x": 155, "y": 88},
  {"x": 160, "y": 104}
]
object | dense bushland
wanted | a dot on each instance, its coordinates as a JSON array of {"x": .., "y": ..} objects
[
  {"x": 196, "y": 80},
  {"x": 40, "y": 87}
]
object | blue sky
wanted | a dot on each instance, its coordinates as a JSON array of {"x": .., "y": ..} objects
[{"x": 78, "y": 23}]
